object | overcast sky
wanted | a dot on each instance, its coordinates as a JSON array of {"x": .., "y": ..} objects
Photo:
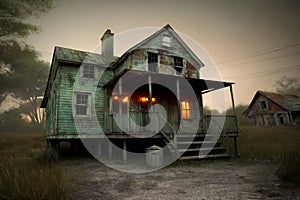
[{"x": 252, "y": 42}]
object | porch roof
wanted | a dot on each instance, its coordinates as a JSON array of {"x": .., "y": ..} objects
[{"x": 202, "y": 85}]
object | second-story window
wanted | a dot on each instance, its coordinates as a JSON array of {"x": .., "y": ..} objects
[
  {"x": 88, "y": 71},
  {"x": 152, "y": 62},
  {"x": 178, "y": 64},
  {"x": 166, "y": 41}
]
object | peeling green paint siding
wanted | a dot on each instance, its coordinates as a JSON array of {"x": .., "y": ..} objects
[
  {"x": 52, "y": 105},
  {"x": 66, "y": 96}
]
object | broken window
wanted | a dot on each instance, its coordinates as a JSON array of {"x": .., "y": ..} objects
[
  {"x": 185, "y": 110},
  {"x": 88, "y": 71},
  {"x": 263, "y": 105},
  {"x": 152, "y": 62},
  {"x": 166, "y": 41},
  {"x": 178, "y": 65},
  {"x": 82, "y": 104}
]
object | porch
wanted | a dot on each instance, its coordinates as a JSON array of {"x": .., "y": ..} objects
[{"x": 131, "y": 114}]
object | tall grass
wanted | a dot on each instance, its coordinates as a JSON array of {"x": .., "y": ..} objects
[
  {"x": 281, "y": 144},
  {"x": 27, "y": 171}
]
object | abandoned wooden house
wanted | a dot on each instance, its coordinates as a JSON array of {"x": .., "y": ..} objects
[
  {"x": 107, "y": 99},
  {"x": 272, "y": 109}
]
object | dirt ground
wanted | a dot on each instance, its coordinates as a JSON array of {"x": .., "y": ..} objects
[{"x": 198, "y": 180}]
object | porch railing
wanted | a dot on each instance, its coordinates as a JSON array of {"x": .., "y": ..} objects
[{"x": 226, "y": 123}]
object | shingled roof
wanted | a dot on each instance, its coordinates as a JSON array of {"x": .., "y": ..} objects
[{"x": 289, "y": 102}]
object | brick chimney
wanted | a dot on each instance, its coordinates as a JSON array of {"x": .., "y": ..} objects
[{"x": 107, "y": 45}]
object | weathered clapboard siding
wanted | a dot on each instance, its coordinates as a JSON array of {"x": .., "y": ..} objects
[
  {"x": 138, "y": 60},
  {"x": 68, "y": 86},
  {"x": 51, "y": 109}
]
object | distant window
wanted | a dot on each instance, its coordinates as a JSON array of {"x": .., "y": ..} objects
[
  {"x": 82, "y": 103},
  {"x": 166, "y": 41},
  {"x": 178, "y": 64},
  {"x": 88, "y": 71},
  {"x": 263, "y": 105},
  {"x": 152, "y": 62},
  {"x": 185, "y": 110}
]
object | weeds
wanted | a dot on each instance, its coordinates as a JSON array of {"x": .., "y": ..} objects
[
  {"x": 279, "y": 144},
  {"x": 27, "y": 171}
]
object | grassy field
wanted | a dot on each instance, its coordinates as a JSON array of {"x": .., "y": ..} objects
[
  {"x": 278, "y": 144},
  {"x": 27, "y": 171}
]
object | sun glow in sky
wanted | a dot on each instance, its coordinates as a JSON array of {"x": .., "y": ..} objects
[{"x": 252, "y": 42}]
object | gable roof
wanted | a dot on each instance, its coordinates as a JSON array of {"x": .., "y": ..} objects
[
  {"x": 71, "y": 56},
  {"x": 289, "y": 102},
  {"x": 75, "y": 56},
  {"x": 195, "y": 60}
]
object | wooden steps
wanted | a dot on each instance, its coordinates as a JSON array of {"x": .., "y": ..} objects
[{"x": 194, "y": 147}]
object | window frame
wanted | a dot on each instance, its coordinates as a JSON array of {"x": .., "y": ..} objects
[
  {"x": 115, "y": 103},
  {"x": 89, "y": 71},
  {"x": 178, "y": 64},
  {"x": 166, "y": 40},
  {"x": 152, "y": 65},
  {"x": 185, "y": 109},
  {"x": 266, "y": 107},
  {"x": 85, "y": 102}
]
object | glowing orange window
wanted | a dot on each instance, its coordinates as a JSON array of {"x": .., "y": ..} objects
[{"x": 185, "y": 110}]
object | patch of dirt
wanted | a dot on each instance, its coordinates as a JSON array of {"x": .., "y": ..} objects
[{"x": 209, "y": 180}]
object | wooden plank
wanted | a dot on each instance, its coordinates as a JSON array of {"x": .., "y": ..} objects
[{"x": 206, "y": 157}]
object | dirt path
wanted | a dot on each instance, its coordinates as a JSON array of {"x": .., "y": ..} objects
[{"x": 209, "y": 180}]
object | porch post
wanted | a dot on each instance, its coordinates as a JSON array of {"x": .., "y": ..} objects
[
  {"x": 291, "y": 118},
  {"x": 236, "y": 125},
  {"x": 120, "y": 97},
  {"x": 232, "y": 100},
  {"x": 178, "y": 97},
  {"x": 109, "y": 150},
  {"x": 150, "y": 90},
  {"x": 99, "y": 149},
  {"x": 124, "y": 152}
]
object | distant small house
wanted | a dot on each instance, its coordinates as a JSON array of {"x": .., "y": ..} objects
[{"x": 272, "y": 109}]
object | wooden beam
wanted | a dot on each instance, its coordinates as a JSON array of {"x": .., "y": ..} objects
[
  {"x": 120, "y": 97},
  {"x": 150, "y": 91},
  {"x": 234, "y": 113},
  {"x": 232, "y": 100}
]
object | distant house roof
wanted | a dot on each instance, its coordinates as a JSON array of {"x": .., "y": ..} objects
[{"x": 289, "y": 102}]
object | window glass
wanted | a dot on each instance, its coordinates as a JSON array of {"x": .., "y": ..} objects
[
  {"x": 178, "y": 65},
  {"x": 185, "y": 110},
  {"x": 152, "y": 62},
  {"x": 88, "y": 71},
  {"x": 82, "y": 104},
  {"x": 166, "y": 41}
]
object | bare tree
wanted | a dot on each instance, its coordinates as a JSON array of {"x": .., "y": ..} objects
[{"x": 287, "y": 85}]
